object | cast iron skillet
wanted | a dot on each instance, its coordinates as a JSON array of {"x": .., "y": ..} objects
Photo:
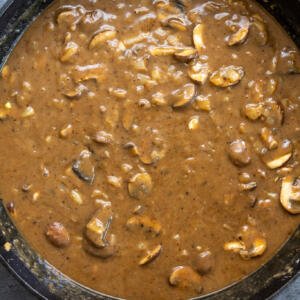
[{"x": 46, "y": 281}]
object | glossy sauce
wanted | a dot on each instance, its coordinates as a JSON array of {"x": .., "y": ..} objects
[{"x": 116, "y": 144}]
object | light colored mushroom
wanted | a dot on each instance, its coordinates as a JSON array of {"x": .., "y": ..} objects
[
  {"x": 198, "y": 37},
  {"x": 185, "y": 95},
  {"x": 103, "y": 137},
  {"x": 194, "y": 123},
  {"x": 198, "y": 71},
  {"x": 227, "y": 76},
  {"x": 140, "y": 185},
  {"x": 238, "y": 153},
  {"x": 70, "y": 50},
  {"x": 259, "y": 29},
  {"x": 253, "y": 111},
  {"x": 76, "y": 92},
  {"x": 186, "y": 55},
  {"x": 276, "y": 158},
  {"x": 101, "y": 37},
  {"x": 268, "y": 138},
  {"x": 290, "y": 194},
  {"x": 239, "y": 36},
  {"x": 151, "y": 255},
  {"x": 163, "y": 51},
  {"x": 97, "y": 228},
  {"x": 258, "y": 248},
  {"x": 185, "y": 277},
  {"x": 144, "y": 223}
]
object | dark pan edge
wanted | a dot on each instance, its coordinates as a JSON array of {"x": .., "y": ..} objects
[{"x": 41, "y": 278}]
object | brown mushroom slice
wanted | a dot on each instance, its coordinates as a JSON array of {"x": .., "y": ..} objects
[
  {"x": 276, "y": 158},
  {"x": 151, "y": 255},
  {"x": 186, "y": 55},
  {"x": 198, "y": 71},
  {"x": 238, "y": 153},
  {"x": 96, "y": 230},
  {"x": 268, "y": 138},
  {"x": 239, "y": 37},
  {"x": 204, "y": 262},
  {"x": 289, "y": 199},
  {"x": 76, "y": 92},
  {"x": 132, "y": 147},
  {"x": 83, "y": 167},
  {"x": 273, "y": 113},
  {"x": 227, "y": 76},
  {"x": 178, "y": 23},
  {"x": 198, "y": 37},
  {"x": 259, "y": 29},
  {"x": 185, "y": 277},
  {"x": 185, "y": 95},
  {"x": 163, "y": 51},
  {"x": 253, "y": 111},
  {"x": 58, "y": 235},
  {"x": 89, "y": 72},
  {"x": 145, "y": 223},
  {"x": 69, "y": 52},
  {"x": 102, "y": 137},
  {"x": 140, "y": 185},
  {"x": 101, "y": 37},
  {"x": 258, "y": 248},
  {"x": 234, "y": 246},
  {"x": 103, "y": 252},
  {"x": 249, "y": 186}
]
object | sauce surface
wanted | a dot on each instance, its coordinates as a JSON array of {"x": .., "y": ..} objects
[{"x": 150, "y": 149}]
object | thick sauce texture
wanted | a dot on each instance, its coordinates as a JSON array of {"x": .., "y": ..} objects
[{"x": 150, "y": 149}]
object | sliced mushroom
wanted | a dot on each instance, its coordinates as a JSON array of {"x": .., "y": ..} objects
[
  {"x": 290, "y": 194},
  {"x": 102, "y": 137},
  {"x": 258, "y": 247},
  {"x": 140, "y": 185},
  {"x": 76, "y": 92},
  {"x": 202, "y": 103},
  {"x": 185, "y": 95},
  {"x": 268, "y": 138},
  {"x": 163, "y": 51},
  {"x": 259, "y": 29},
  {"x": 194, "y": 123},
  {"x": 145, "y": 223},
  {"x": 101, "y": 37},
  {"x": 227, "y": 76},
  {"x": 198, "y": 37},
  {"x": 249, "y": 186},
  {"x": 58, "y": 235},
  {"x": 89, "y": 72},
  {"x": 278, "y": 157},
  {"x": 96, "y": 230},
  {"x": 151, "y": 255},
  {"x": 204, "y": 262},
  {"x": 133, "y": 148},
  {"x": 103, "y": 252},
  {"x": 186, "y": 55},
  {"x": 83, "y": 167},
  {"x": 253, "y": 111},
  {"x": 234, "y": 246},
  {"x": 69, "y": 52},
  {"x": 198, "y": 71},
  {"x": 273, "y": 113},
  {"x": 238, "y": 153},
  {"x": 177, "y": 22},
  {"x": 239, "y": 37},
  {"x": 185, "y": 277}
]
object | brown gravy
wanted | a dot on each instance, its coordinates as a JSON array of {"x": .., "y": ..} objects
[{"x": 150, "y": 149}]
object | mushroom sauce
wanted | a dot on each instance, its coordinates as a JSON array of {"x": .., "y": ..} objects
[{"x": 150, "y": 149}]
